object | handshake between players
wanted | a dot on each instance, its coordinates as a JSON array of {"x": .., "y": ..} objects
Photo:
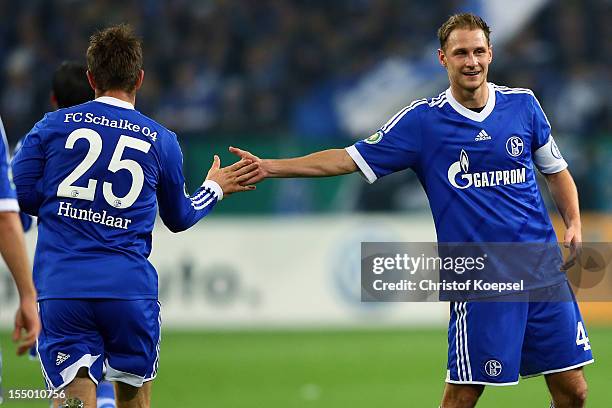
[{"x": 233, "y": 178}]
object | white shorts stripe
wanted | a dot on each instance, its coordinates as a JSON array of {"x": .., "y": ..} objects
[
  {"x": 44, "y": 372},
  {"x": 466, "y": 348},
  {"x": 459, "y": 344},
  {"x": 156, "y": 362},
  {"x": 462, "y": 341}
]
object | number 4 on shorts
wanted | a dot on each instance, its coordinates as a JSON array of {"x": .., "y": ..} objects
[{"x": 581, "y": 337}]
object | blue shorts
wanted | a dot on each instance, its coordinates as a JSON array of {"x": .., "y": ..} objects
[
  {"x": 491, "y": 343},
  {"x": 120, "y": 336}
]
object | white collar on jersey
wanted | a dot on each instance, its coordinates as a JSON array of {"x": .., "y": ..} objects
[
  {"x": 470, "y": 114},
  {"x": 109, "y": 100}
]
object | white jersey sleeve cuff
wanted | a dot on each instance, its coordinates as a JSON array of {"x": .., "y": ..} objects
[
  {"x": 366, "y": 170},
  {"x": 548, "y": 158},
  {"x": 215, "y": 187},
  {"x": 9, "y": 204}
]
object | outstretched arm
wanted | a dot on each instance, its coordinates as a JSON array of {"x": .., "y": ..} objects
[
  {"x": 332, "y": 162},
  {"x": 179, "y": 210},
  {"x": 565, "y": 195}
]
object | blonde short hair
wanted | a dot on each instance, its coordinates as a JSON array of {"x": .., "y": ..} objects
[{"x": 462, "y": 20}]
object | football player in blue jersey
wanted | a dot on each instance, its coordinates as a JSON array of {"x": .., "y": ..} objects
[
  {"x": 473, "y": 148},
  {"x": 70, "y": 87},
  {"x": 13, "y": 251},
  {"x": 104, "y": 171}
]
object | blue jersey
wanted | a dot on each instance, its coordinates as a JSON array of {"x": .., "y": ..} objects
[
  {"x": 477, "y": 168},
  {"x": 8, "y": 197},
  {"x": 95, "y": 175}
]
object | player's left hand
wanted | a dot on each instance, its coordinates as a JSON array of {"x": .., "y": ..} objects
[
  {"x": 27, "y": 325},
  {"x": 573, "y": 241}
]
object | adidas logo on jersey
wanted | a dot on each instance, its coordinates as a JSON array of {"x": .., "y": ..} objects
[
  {"x": 61, "y": 357},
  {"x": 482, "y": 135}
]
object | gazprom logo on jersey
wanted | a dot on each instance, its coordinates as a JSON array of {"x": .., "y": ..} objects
[{"x": 460, "y": 177}]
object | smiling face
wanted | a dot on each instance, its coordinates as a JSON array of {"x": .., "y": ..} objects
[{"x": 466, "y": 57}]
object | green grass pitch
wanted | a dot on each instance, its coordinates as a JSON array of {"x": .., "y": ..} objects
[{"x": 316, "y": 369}]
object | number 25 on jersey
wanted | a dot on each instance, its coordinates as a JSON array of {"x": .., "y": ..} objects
[{"x": 67, "y": 189}]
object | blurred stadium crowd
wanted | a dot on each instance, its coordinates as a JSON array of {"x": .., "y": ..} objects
[{"x": 248, "y": 67}]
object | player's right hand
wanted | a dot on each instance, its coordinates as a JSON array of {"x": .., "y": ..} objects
[
  {"x": 573, "y": 241},
  {"x": 27, "y": 325},
  {"x": 233, "y": 179},
  {"x": 245, "y": 155}
]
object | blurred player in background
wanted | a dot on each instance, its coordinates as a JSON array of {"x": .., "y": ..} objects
[
  {"x": 476, "y": 126},
  {"x": 70, "y": 87},
  {"x": 13, "y": 250},
  {"x": 105, "y": 169}
]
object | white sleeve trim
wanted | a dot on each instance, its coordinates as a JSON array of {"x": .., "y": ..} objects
[
  {"x": 215, "y": 187},
  {"x": 548, "y": 158},
  {"x": 8, "y": 205},
  {"x": 366, "y": 170}
]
